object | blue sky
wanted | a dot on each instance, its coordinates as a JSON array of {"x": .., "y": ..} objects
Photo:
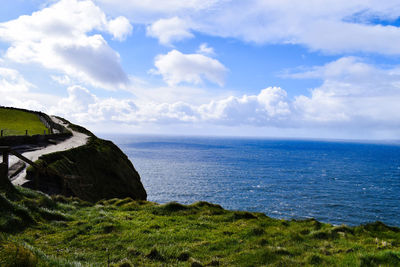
[{"x": 299, "y": 69}]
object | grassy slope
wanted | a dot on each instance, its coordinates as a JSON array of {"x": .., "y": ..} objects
[
  {"x": 69, "y": 232},
  {"x": 15, "y": 122}
]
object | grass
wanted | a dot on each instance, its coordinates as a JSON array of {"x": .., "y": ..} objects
[
  {"x": 16, "y": 122},
  {"x": 37, "y": 230}
]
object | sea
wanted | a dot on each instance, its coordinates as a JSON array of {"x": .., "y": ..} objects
[{"x": 337, "y": 182}]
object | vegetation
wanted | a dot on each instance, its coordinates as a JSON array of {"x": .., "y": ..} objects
[
  {"x": 97, "y": 170},
  {"x": 16, "y": 122},
  {"x": 37, "y": 230}
]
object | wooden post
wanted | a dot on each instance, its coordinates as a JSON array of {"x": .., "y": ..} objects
[
  {"x": 5, "y": 150},
  {"x": 26, "y": 132},
  {"x": 1, "y": 133},
  {"x": 3, "y": 175},
  {"x": 4, "y": 182}
]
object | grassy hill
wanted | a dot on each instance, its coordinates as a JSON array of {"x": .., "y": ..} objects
[
  {"x": 37, "y": 230},
  {"x": 15, "y": 122}
]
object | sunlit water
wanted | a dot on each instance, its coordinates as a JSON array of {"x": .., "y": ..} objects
[{"x": 335, "y": 182}]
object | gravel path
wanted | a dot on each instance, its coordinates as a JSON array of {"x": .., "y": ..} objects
[{"x": 77, "y": 139}]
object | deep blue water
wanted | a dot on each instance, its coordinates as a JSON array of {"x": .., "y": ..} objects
[{"x": 335, "y": 182}]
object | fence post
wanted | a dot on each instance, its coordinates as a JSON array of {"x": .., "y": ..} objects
[
  {"x": 26, "y": 132},
  {"x": 4, "y": 182},
  {"x": 1, "y": 133},
  {"x": 3, "y": 175},
  {"x": 5, "y": 151}
]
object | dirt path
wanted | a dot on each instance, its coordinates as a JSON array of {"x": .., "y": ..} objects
[{"x": 77, "y": 139}]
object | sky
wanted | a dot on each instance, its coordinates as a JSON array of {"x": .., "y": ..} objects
[{"x": 265, "y": 68}]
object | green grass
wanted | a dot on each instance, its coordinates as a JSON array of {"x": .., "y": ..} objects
[
  {"x": 15, "y": 122},
  {"x": 58, "y": 231}
]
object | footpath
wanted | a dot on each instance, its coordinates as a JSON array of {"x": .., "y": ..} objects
[{"x": 33, "y": 152}]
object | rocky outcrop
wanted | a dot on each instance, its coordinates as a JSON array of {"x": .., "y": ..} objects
[{"x": 95, "y": 171}]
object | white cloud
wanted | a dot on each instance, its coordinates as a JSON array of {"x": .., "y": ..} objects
[
  {"x": 12, "y": 81},
  {"x": 93, "y": 60},
  {"x": 205, "y": 50},
  {"x": 16, "y": 91},
  {"x": 16, "y": 102},
  {"x": 333, "y": 26},
  {"x": 353, "y": 93},
  {"x": 57, "y": 37},
  {"x": 120, "y": 28},
  {"x": 79, "y": 98},
  {"x": 169, "y": 30},
  {"x": 84, "y": 107},
  {"x": 266, "y": 108},
  {"x": 176, "y": 68}
]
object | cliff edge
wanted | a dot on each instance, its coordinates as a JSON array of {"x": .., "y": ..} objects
[{"x": 94, "y": 171}]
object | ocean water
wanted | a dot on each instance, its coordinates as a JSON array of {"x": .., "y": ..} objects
[{"x": 334, "y": 182}]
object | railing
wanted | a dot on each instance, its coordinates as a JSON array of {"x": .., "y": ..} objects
[{"x": 7, "y": 150}]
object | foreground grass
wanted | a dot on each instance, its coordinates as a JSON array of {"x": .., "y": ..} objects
[
  {"x": 40, "y": 231},
  {"x": 15, "y": 122}
]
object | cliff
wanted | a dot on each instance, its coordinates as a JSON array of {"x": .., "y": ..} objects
[{"x": 95, "y": 171}]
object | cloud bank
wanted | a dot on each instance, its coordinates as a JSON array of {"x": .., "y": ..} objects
[
  {"x": 353, "y": 94},
  {"x": 331, "y": 26},
  {"x": 60, "y": 37}
]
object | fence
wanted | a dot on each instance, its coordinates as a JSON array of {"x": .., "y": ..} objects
[
  {"x": 12, "y": 132},
  {"x": 5, "y": 183},
  {"x": 32, "y": 140}
]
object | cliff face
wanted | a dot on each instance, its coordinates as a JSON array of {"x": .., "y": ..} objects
[{"x": 95, "y": 171}]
